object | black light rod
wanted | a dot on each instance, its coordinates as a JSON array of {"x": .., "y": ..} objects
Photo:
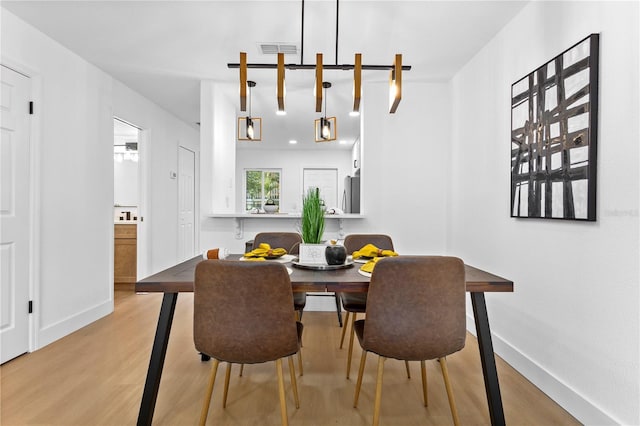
[
  {"x": 337, "y": 2},
  {"x": 344, "y": 67},
  {"x": 302, "y": 37}
]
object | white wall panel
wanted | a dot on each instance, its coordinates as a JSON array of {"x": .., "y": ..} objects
[{"x": 572, "y": 325}]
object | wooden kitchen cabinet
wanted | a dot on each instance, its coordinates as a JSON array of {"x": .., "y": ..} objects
[{"x": 125, "y": 255}]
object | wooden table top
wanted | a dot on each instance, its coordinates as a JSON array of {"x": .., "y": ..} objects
[{"x": 179, "y": 278}]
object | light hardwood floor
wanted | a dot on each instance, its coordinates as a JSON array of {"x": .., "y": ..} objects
[{"x": 95, "y": 377}]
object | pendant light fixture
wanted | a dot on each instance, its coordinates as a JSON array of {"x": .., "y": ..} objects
[
  {"x": 249, "y": 128},
  {"x": 325, "y": 128},
  {"x": 395, "y": 83},
  {"x": 357, "y": 84},
  {"x": 281, "y": 89}
]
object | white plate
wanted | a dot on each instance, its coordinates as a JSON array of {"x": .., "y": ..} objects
[
  {"x": 361, "y": 260},
  {"x": 366, "y": 274},
  {"x": 289, "y": 270}
]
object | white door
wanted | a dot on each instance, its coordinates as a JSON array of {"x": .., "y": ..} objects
[
  {"x": 14, "y": 214},
  {"x": 186, "y": 203},
  {"x": 324, "y": 179}
]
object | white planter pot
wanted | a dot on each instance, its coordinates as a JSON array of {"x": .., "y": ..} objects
[{"x": 312, "y": 254}]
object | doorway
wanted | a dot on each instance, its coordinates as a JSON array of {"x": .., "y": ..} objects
[{"x": 126, "y": 203}]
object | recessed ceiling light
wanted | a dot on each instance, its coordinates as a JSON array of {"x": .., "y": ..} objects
[
  {"x": 343, "y": 142},
  {"x": 293, "y": 142}
]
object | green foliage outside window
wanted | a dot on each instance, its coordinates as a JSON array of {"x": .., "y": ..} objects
[{"x": 262, "y": 185}]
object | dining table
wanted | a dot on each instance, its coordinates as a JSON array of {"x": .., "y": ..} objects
[{"x": 180, "y": 279}]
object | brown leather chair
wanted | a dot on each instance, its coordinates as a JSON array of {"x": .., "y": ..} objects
[
  {"x": 243, "y": 314},
  {"x": 290, "y": 241},
  {"x": 415, "y": 311},
  {"x": 355, "y": 303}
]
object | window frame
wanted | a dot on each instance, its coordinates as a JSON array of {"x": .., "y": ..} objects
[{"x": 263, "y": 196}]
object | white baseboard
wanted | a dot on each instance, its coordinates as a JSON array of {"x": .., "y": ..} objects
[
  {"x": 578, "y": 406},
  {"x": 66, "y": 326}
]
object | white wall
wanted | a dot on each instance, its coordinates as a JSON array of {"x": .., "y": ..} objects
[
  {"x": 162, "y": 133},
  {"x": 125, "y": 191},
  {"x": 72, "y": 141},
  {"x": 218, "y": 147},
  {"x": 571, "y": 326},
  {"x": 405, "y": 165},
  {"x": 74, "y": 180}
]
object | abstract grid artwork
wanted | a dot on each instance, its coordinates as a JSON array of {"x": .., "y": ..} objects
[{"x": 554, "y": 116}]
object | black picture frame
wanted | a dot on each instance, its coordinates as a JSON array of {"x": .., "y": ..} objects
[{"x": 554, "y": 128}]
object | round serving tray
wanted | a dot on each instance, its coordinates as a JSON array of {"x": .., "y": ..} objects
[{"x": 317, "y": 267}]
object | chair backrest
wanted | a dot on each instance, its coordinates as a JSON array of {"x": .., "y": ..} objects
[
  {"x": 416, "y": 307},
  {"x": 243, "y": 311},
  {"x": 289, "y": 241},
  {"x": 355, "y": 242}
]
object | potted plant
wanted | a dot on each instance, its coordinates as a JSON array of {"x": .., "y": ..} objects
[
  {"x": 270, "y": 206},
  {"x": 312, "y": 223}
]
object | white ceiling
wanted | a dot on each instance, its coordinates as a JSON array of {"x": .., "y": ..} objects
[{"x": 163, "y": 49}]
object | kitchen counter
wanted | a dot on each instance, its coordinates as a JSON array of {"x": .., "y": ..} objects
[{"x": 240, "y": 217}]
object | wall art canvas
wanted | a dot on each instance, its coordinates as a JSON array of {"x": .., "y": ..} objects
[{"x": 554, "y": 116}]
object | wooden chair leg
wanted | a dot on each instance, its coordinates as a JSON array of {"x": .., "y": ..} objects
[
  {"x": 241, "y": 370},
  {"x": 294, "y": 383},
  {"x": 207, "y": 398},
  {"x": 283, "y": 402},
  {"x": 363, "y": 360},
  {"x": 227, "y": 376},
  {"x": 300, "y": 362},
  {"x": 423, "y": 370},
  {"x": 344, "y": 329},
  {"x": 376, "y": 406},
  {"x": 406, "y": 365},
  {"x": 353, "y": 333},
  {"x": 447, "y": 384}
]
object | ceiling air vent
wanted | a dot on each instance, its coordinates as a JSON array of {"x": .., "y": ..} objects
[
  {"x": 275, "y": 48},
  {"x": 268, "y": 49},
  {"x": 288, "y": 49}
]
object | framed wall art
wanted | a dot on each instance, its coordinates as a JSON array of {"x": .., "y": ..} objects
[{"x": 554, "y": 117}]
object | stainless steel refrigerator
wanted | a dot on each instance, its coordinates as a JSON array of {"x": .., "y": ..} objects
[{"x": 351, "y": 195}]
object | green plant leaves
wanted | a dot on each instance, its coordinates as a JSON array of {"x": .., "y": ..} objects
[{"x": 312, "y": 217}]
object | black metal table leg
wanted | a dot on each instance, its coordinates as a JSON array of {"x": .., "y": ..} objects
[
  {"x": 487, "y": 358},
  {"x": 338, "y": 309},
  {"x": 156, "y": 362}
]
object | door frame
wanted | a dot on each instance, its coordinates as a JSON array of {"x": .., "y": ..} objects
[
  {"x": 144, "y": 257},
  {"x": 142, "y": 234},
  {"x": 35, "y": 141}
]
